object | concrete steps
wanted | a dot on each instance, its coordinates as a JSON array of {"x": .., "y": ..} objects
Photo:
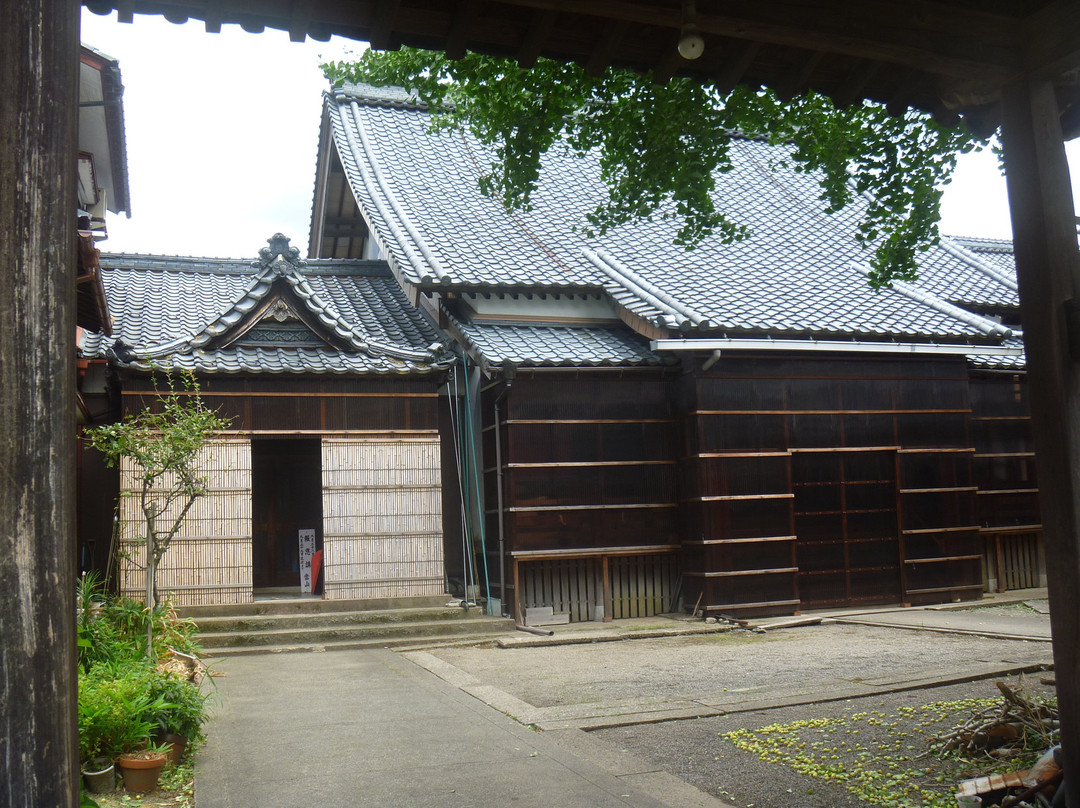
[{"x": 275, "y": 626}]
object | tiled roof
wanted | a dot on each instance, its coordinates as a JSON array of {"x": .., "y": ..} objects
[
  {"x": 276, "y": 315},
  {"x": 555, "y": 345},
  {"x": 995, "y": 253},
  {"x": 800, "y": 274},
  {"x": 1016, "y": 363}
]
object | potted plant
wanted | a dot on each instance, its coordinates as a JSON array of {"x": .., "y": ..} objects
[
  {"x": 142, "y": 767},
  {"x": 116, "y": 705},
  {"x": 181, "y": 714}
]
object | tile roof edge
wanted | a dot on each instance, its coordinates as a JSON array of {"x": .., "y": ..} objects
[
  {"x": 425, "y": 265},
  {"x": 675, "y": 313}
]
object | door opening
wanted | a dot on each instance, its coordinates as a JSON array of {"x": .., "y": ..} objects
[{"x": 286, "y": 494}]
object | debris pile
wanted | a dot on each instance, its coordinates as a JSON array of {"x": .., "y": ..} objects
[{"x": 1015, "y": 728}]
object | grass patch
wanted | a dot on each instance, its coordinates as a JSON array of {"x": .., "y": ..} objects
[{"x": 884, "y": 759}]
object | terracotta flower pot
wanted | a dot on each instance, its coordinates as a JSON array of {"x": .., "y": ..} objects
[
  {"x": 141, "y": 770},
  {"x": 177, "y": 744}
]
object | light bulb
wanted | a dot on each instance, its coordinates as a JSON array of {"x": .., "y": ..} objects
[{"x": 691, "y": 46}]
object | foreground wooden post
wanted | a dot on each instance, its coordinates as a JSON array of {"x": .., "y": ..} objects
[
  {"x": 1048, "y": 271},
  {"x": 39, "y": 63}
]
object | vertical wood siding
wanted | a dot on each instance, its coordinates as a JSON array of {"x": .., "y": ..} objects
[
  {"x": 209, "y": 560},
  {"x": 382, "y": 517}
]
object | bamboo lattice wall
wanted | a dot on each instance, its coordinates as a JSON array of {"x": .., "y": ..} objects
[
  {"x": 209, "y": 560},
  {"x": 382, "y": 516}
]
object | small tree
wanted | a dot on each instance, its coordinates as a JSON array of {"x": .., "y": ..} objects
[{"x": 163, "y": 443}]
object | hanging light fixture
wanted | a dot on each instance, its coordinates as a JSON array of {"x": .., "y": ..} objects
[{"x": 691, "y": 45}]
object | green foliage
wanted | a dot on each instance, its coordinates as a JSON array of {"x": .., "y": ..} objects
[
  {"x": 114, "y": 709},
  {"x": 112, "y": 630},
  {"x": 183, "y": 707},
  {"x": 124, "y": 699},
  {"x": 163, "y": 443},
  {"x": 661, "y": 147}
]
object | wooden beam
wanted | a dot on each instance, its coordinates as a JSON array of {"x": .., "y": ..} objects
[
  {"x": 1048, "y": 273},
  {"x": 667, "y": 66},
  {"x": 382, "y": 24},
  {"x": 39, "y": 71},
  {"x": 606, "y": 47},
  {"x": 458, "y": 34},
  {"x": 735, "y": 66},
  {"x": 1053, "y": 37},
  {"x": 927, "y": 35},
  {"x": 539, "y": 31}
]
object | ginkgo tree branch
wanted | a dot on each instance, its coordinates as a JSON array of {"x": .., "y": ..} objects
[{"x": 663, "y": 148}]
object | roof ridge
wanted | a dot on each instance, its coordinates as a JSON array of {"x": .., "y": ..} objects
[
  {"x": 984, "y": 324},
  {"x": 648, "y": 292},
  {"x": 390, "y": 95},
  {"x": 960, "y": 252}
]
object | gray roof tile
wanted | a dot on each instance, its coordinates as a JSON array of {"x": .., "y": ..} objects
[
  {"x": 554, "y": 345},
  {"x": 194, "y": 313},
  {"x": 799, "y": 274}
]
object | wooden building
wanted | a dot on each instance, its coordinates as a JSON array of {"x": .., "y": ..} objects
[
  {"x": 330, "y": 379},
  {"x": 1010, "y": 63},
  {"x": 746, "y": 427}
]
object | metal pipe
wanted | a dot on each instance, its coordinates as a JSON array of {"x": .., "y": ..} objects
[
  {"x": 541, "y": 632},
  {"x": 741, "y": 344},
  {"x": 499, "y": 501}
]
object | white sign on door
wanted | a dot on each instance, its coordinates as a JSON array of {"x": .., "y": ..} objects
[{"x": 307, "y": 552}]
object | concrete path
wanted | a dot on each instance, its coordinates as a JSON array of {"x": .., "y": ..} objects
[
  {"x": 1033, "y": 626},
  {"x": 367, "y": 727}
]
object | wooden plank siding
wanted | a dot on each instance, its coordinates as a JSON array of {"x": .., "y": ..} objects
[
  {"x": 801, "y": 490},
  {"x": 588, "y": 475},
  {"x": 1008, "y": 496},
  {"x": 209, "y": 561}
]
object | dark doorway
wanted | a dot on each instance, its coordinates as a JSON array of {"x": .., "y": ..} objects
[{"x": 286, "y": 494}]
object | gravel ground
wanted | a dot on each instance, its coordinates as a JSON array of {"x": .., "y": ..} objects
[
  {"x": 717, "y": 667},
  {"x": 725, "y": 669},
  {"x": 695, "y": 752}
]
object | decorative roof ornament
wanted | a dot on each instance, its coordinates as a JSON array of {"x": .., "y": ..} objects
[
  {"x": 279, "y": 249},
  {"x": 281, "y": 312}
]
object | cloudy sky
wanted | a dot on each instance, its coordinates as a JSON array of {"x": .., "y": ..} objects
[{"x": 222, "y": 131}]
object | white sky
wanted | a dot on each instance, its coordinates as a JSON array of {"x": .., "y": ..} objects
[{"x": 222, "y": 131}]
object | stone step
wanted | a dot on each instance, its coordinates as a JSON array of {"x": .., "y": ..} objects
[
  {"x": 400, "y": 643},
  {"x": 314, "y": 605},
  {"x": 381, "y": 634},
  {"x": 328, "y": 619}
]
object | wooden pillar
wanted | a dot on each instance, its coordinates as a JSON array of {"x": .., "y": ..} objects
[
  {"x": 1048, "y": 271},
  {"x": 39, "y": 64}
]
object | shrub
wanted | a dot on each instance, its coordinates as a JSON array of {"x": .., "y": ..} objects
[
  {"x": 124, "y": 698},
  {"x": 114, "y": 704}
]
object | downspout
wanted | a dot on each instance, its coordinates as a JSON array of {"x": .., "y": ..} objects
[
  {"x": 470, "y": 424},
  {"x": 499, "y": 497}
]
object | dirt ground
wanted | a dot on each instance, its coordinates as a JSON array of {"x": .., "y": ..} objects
[{"x": 697, "y": 751}]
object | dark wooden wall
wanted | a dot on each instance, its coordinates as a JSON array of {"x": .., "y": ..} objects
[
  {"x": 310, "y": 406},
  {"x": 817, "y": 481},
  {"x": 1008, "y": 497},
  {"x": 588, "y": 467}
]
